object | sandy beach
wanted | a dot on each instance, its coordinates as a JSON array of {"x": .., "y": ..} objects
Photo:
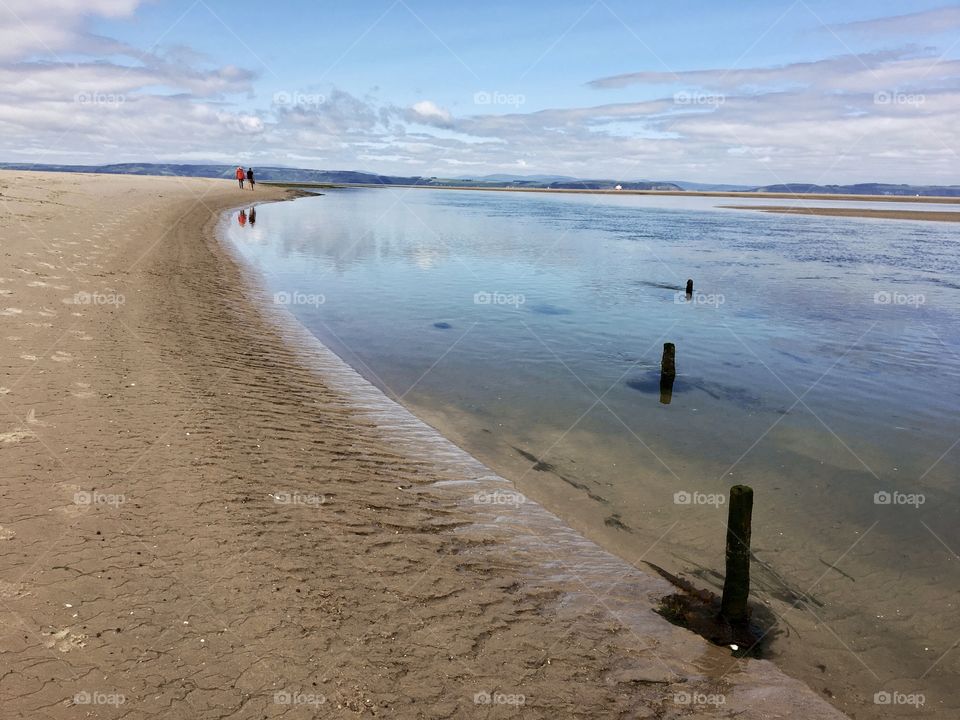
[
  {"x": 196, "y": 523},
  {"x": 930, "y": 215}
]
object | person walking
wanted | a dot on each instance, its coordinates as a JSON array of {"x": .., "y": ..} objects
[
  {"x": 240, "y": 176},
  {"x": 250, "y": 177}
]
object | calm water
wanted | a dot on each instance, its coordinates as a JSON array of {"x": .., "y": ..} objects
[{"x": 818, "y": 361}]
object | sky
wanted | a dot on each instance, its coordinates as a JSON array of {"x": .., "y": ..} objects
[{"x": 716, "y": 91}]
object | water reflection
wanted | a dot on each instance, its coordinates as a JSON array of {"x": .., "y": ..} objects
[{"x": 799, "y": 383}]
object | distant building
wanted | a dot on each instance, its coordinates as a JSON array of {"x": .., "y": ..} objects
[{"x": 619, "y": 187}]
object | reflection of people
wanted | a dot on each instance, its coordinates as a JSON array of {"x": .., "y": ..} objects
[
  {"x": 253, "y": 215},
  {"x": 250, "y": 177},
  {"x": 240, "y": 176},
  {"x": 242, "y": 218}
]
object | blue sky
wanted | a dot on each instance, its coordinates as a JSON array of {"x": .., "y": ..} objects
[{"x": 746, "y": 92}]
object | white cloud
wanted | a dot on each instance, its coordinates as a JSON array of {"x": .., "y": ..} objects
[
  {"x": 886, "y": 116},
  {"x": 926, "y": 22},
  {"x": 48, "y": 27},
  {"x": 429, "y": 112}
]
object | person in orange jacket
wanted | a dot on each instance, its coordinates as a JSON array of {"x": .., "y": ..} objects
[{"x": 240, "y": 176}]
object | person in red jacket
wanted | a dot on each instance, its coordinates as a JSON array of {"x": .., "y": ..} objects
[{"x": 240, "y": 176}]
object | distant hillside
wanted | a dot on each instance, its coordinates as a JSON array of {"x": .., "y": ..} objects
[
  {"x": 265, "y": 173},
  {"x": 864, "y": 189},
  {"x": 711, "y": 187},
  {"x": 533, "y": 182},
  {"x": 353, "y": 177},
  {"x": 517, "y": 178}
]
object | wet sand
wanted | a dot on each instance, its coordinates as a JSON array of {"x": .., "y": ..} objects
[
  {"x": 198, "y": 523},
  {"x": 856, "y": 212}
]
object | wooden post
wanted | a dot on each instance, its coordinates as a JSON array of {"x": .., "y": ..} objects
[
  {"x": 689, "y": 287},
  {"x": 736, "y": 584},
  {"x": 668, "y": 364}
]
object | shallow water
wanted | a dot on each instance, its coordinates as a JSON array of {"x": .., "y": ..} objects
[{"x": 818, "y": 361}]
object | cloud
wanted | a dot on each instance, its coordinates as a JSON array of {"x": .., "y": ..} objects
[
  {"x": 428, "y": 112},
  {"x": 926, "y": 22},
  {"x": 48, "y": 27},
  {"x": 834, "y": 72},
  {"x": 887, "y": 115}
]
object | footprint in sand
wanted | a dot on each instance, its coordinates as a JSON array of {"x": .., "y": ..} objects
[
  {"x": 64, "y": 640},
  {"x": 4, "y": 391},
  {"x": 61, "y": 356},
  {"x": 83, "y": 391},
  {"x": 31, "y": 358},
  {"x": 40, "y": 325},
  {"x": 10, "y": 591},
  {"x": 10, "y": 311},
  {"x": 46, "y": 312},
  {"x": 38, "y": 283},
  {"x": 81, "y": 335},
  {"x": 32, "y": 419},
  {"x": 6, "y": 533},
  {"x": 15, "y": 436}
]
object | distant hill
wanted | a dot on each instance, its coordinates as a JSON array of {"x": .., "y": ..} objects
[
  {"x": 264, "y": 173},
  {"x": 300, "y": 175},
  {"x": 863, "y": 189},
  {"x": 518, "y": 178},
  {"x": 278, "y": 173},
  {"x": 711, "y": 187}
]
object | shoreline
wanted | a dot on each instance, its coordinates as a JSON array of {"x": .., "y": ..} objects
[
  {"x": 927, "y": 215},
  {"x": 369, "y": 585},
  {"x": 932, "y": 199}
]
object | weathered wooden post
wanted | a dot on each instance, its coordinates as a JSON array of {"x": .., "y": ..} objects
[
  {"x": 668, "y": 364},
  {"x": 668, "y": 373},
  {"x": 736, "y": 584},
  {"x": 689, "y": 287},
  {"x": 666, "y": 390}
]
